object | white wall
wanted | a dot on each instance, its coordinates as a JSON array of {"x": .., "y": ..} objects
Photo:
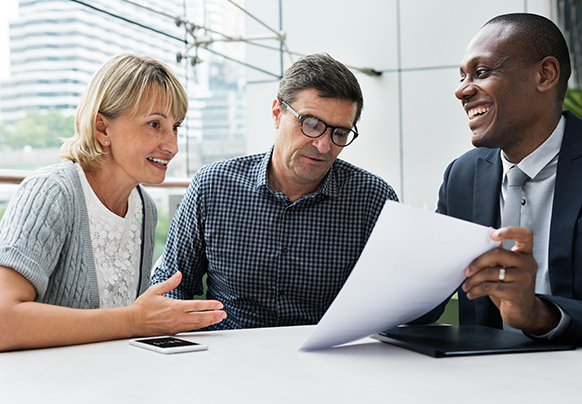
[{"x": 364, "y": 33}]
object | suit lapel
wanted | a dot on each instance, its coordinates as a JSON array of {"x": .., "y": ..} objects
[
  {"x": 486, "y": 189},
  {"x": 486, "y": 212},
  {"x": 566, "y": 208}
]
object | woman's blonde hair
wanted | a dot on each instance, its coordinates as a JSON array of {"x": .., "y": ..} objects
[{"x": 125, "y": 83}]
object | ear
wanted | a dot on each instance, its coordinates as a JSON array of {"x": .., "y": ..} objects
[
  {"x": 276, "y": 112},
  {"x": 101, "y": 130},
  {"x": 548, "y": 74}
]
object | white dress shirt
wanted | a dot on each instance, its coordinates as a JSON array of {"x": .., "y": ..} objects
[{"x": 536, "y": 206}]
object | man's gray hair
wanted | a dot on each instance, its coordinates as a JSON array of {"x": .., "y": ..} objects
[{"x": 329, "y": 77}]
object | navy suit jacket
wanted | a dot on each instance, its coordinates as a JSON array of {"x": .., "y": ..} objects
[{"x": 470, "y": 191}]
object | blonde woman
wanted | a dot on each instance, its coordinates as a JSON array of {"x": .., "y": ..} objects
[{"x": 77, "y": 239}]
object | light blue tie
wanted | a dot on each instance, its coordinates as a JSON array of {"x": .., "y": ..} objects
[{"x": 512, "y": 210}]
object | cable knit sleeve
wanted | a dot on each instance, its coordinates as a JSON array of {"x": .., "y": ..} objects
[{"x": 34, "y": 228}]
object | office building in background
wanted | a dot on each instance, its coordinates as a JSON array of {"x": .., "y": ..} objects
[{"x": 56, "y": 46}]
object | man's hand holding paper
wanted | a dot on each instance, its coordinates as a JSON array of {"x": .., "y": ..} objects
[{"x": 508, "y": 277}]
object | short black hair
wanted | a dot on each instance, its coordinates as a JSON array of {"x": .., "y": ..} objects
[
  {"x": 329, "y": 77},
  {"x": 538, "y": 37}
]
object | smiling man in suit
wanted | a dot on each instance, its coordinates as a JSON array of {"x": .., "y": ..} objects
[{"x": 514, "y": 78}]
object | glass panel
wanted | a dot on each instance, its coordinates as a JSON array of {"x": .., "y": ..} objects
[{"x": 51, "y": 48}]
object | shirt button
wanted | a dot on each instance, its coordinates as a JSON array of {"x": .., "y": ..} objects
[
  {"x": 284, "y": 250},
  {"x": 523, "y": 202}
]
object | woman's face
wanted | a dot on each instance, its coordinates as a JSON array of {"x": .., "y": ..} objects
[{"x": 140, "y": 146}]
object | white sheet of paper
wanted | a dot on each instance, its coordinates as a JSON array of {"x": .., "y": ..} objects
[{"x": 413, "y": 261}]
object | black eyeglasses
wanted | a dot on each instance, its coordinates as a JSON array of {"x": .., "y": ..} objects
[{"x": 313, "y": 128}]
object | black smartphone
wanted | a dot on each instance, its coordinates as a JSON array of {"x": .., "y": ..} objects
[{"x": 167, "y": 345}]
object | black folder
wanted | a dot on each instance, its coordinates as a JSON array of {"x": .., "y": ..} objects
[{"x": 439, "y": 341}]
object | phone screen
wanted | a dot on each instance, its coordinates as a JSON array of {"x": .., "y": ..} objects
[{"x": 166, "y": 342}]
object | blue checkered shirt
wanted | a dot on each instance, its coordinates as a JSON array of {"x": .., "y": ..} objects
[{"x": 269, "y": 261}]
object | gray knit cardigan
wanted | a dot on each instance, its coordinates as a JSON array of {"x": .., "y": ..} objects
[{"x": 44, "y": 235}]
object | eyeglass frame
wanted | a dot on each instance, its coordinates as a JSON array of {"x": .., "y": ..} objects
[{"x": 333, "y": 128}]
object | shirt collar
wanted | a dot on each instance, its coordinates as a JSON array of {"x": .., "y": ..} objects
[
  {"x": 533, "y": 163},
  {"x": 328, "y": 187},
  {"x": 262, "y": 179}
]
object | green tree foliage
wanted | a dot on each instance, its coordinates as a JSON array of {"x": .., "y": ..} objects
[
  {"x": 3, "y": 133},
  {"x": 39, "y": 130},
  {"x": 573, "y": 101},
  {"x": 161, "y": 232}
]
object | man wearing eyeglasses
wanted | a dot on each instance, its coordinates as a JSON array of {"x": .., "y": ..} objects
[{"x": 277, "y": 234}]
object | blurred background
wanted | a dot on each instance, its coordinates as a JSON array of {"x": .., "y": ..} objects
[{"x": 230, "y": 56}]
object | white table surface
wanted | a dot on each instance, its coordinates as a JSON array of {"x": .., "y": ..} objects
[{"x": 265, "y": 366}]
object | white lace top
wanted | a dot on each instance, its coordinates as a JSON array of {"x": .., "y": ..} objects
[{"x": 116, "y": 246}]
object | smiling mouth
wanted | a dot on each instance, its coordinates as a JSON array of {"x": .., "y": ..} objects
[
  {"x": 477, "y": 111},
  {"x": 158, "y": 161}
]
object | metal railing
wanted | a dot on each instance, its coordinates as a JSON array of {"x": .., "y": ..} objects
[
  {"x": 12, "y": 176},
  {"x": 17, "y": 176}
]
